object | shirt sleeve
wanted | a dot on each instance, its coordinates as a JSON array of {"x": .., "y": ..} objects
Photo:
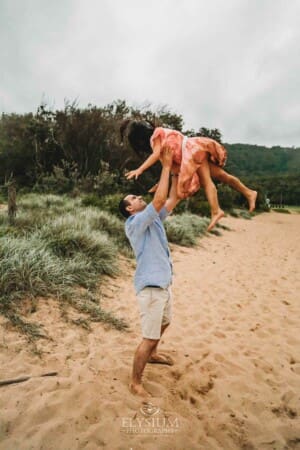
[
  {"x": 138, "y": 223},
  {"x": 163, "y": 213}
]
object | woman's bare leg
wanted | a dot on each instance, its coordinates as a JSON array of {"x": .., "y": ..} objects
[
  {"x": 235, "y": 183},
  {"x": 211, "y": 193}
]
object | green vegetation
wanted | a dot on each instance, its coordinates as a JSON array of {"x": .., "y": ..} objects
[
  {"x": 293, "y": 208},
  {"x": 254, "y": 160},
  {"x": 184, "y": 229},
  {"x": 77, "y": 150},
  {"x": 281, "y": 210},
  {"x": 57, "y": 248}
]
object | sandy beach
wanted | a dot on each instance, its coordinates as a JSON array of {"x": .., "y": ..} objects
[{"x": 235, "y": 339}]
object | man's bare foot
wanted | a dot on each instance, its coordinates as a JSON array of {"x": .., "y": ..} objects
[
  {"x": 138, "y": 389},
  {"x": 215, "y": 218},
  {"x": 252, "y": 200},
  {"x": 161, "y": 359}
]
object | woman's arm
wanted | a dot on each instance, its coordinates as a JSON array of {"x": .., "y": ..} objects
[{"x": 146, "y": 164}]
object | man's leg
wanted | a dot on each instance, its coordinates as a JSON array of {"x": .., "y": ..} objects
[
  {"x": 158, "y": 358},
  {"x": 155, "y": 311},
  {"x": 163, "y": 328},
  {"x": 141, "y": 358}
]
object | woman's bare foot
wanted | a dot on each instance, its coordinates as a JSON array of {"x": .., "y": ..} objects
[
  {"x": 252, "y": 200},
  {"x": 215, "y": 218},
  {"x": 138, "y": 389}
]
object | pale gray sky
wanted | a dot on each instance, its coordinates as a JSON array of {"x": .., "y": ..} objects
[{"x": 227, "y": 64}]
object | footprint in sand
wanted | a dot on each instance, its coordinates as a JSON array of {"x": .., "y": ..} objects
[{"x": 220, "y": 335}]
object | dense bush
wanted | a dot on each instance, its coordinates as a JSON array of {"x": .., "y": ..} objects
[
  {"x": 184, "y": 229},
  {"x": 108, "y": 203},
  {"x": 195, "y": 205}
]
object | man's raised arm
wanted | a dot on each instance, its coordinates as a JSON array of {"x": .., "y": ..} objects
[
  {"x": 173, "y": 199},
  {"x": 161, "y": 193}
]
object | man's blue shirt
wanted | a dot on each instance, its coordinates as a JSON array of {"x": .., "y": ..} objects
[{"x": 148, "y": 239}]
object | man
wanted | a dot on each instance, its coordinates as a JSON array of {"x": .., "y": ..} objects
[{"x": 153, "y": 275}]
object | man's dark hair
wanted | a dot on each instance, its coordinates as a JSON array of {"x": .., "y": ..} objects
[
  {"x": 139, "y": 134},
  {"x": 122, "y": 208}
]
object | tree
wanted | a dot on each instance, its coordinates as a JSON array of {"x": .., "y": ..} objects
[
  {"x": 212, "y": 133},
  {"x": 16, "y": 148}
]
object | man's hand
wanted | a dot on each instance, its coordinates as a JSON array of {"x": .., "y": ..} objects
[
  {"x": 133, "y": 174},
  {"x": 167, "y": 157}
]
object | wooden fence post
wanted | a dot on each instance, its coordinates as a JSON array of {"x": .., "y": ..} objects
[{"x": 12, "y": 201}]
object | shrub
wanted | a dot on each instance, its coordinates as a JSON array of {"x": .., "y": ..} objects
[
  {"x": 107, "y": 222},
  {"x": 60, "y": 181},
  {"x": 184, "y": 229},
  {"x": 29, "y": 220},
  {"x": 32, "y": 201},
  {"x": 54, "y": 202},
  {"x": 108, "y": 203},
  {"x": 27, "y": 266},
  {"x": 201, "y": 208},
  {"x": 245, "y": 215},
  {"x": 179, "y": 234},
  {"x": 195, "y": 205},
  {"x": 234, "y": 213},
  {"x": 226, "y": 196},
  {"x": 68, "y": 236},
  {"x": 241, "y": 213},
  {"x": 281, "y": 210}
]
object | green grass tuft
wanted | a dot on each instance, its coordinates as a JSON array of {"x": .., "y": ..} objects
[
  {"x": 281, "y": 210},
  {"x": 184, "y": 229}
]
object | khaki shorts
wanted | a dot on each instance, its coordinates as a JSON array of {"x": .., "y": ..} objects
[{"x": 155, "y": 310}]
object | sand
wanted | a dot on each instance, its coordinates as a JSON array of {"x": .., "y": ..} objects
[{"x": 235, "y": 338}]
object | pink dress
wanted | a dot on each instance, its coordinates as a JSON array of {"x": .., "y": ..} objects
[{"x": 188, "y": 153}]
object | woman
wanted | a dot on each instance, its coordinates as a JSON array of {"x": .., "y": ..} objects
[{"x": 195, "y": 161}]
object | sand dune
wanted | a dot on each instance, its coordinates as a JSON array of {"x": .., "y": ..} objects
[{"x": 235, "y": 338}]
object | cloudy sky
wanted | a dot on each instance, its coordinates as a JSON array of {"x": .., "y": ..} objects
[{"x": 227, "y": 64}]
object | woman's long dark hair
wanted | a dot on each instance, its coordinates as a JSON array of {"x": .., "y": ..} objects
[{"x": 138, "y": 134}]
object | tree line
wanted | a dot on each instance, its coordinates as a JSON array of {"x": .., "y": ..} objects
[{"x": 80, "y": 148}]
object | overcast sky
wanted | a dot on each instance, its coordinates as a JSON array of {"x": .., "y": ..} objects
[{"x": 227, "y": 64}]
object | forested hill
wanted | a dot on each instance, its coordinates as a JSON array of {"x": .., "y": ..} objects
[{"x": 256, "y": 160}]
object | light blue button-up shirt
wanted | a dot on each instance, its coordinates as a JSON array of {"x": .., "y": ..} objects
[{"x": 148, "y": 239}]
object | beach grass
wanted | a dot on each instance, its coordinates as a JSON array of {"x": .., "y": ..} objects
[
  {"x": 55, "y": 247},
  {"x": 281, "y": 210},
  {"x": 184, "y": 229}
]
